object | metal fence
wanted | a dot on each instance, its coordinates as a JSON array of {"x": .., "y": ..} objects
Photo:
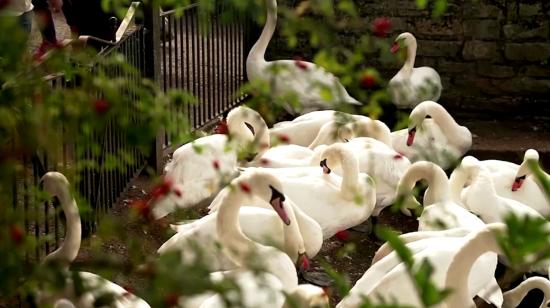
[
  {"x": 209, "y": 62},
  {"x": 100, "y": 187},
  {"x": 206, "y": 59}
]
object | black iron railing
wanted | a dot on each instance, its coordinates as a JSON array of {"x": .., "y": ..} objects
[
  {"x": 177, "y": 53},
  {"x": 206, "y": 59}
]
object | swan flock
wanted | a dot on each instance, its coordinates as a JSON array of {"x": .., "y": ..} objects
[{"x": 277, "y": 202}]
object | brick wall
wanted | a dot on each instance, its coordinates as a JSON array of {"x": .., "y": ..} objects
[{"x": 492, "y": 55}]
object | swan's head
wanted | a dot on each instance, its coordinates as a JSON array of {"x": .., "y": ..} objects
[
  {"x": 55, "y": 183},
  {"x": 531, "y": 156},
  {"x": 266, "y": 187},
  {"x": 417, "y": 117},
  {"x": 403, "y": 40},
  {"x": 333, "y": 155},
  {"x": 307, "y": 295},
  {"x": 469, "y": 167}
]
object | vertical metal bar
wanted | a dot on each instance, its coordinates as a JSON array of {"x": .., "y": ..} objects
[
  {"x": 208, "y": 65},
  {"x": 202, "y": 70},
  {"x": 188, "y": 55},
  {"x": 216, "y": 38},
  {"x": 195, "y": 71},
  {"x": 223, "y": 40},
  {"x": 36, "y": 213},
  {"x": 26, "y": 198},
  {"x": 170, "y": 51}
]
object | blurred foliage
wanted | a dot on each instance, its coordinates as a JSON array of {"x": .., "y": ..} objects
[{"x": 105, "y": 92}]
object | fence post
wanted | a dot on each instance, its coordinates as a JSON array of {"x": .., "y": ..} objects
[{"x": 152, "y": 51}]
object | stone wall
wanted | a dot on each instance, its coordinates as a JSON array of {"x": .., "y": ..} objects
[{"x": 493, "y": 55}]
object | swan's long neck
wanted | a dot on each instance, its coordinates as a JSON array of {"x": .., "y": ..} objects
[
  {"x": 238, "y": 246},
  {"x": 461, "y": 265},
  {"x": 261, "y": 138},
  {"x": 513, "y": 297},
  {"x": 350, "y": 172},
  {"x": 458, "y": 179},
  {"x": 294, "y": 242},
  {"x": 436, "y": 178},
  {"x": 238, "y": 129},
  {"x": 256, "y": 56},
  {"x": 68, "y": 251},
  {"x": 454, "y": 132},
  {"x": 411, "y": 56}
]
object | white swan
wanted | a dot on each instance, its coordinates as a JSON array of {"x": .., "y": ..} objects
[
  {"x": 199, "y": 168},
  {"x": 491, "y": 293},
  {"x": 335, "y": 202},
  {"x": 504, "y": 175},
  {"x": 292, "y": 155},
  {"x": 528, "y": 188},
  {"x": 463, "y": 266},
  {"x": 306, "y": 80},
  {"x": 440, "y": 211},
  {"x": 304, "y": 129},
  {"x": 259, "y": 224},
  {"x": 481, "y": 197},
  {"x": 439, "y": 139},
  {"x": 387, "y": 278},
  {"x": 514, "y": 297},
  {"x": 263, "y": 289},
  {"x": 56, "y": 184},
  {"x": 411, "y": 85},
  {"x": 383, "y": 164}
]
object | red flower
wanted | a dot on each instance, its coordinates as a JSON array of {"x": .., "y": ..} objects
[
  {"x": 140, "y": 207},
  {"x": 162, "y": 189},
  {"x": 300, "y": 63},
  {"x": 245, "y": 187},
  {"x": 171, "y": 300},
  {"x": 17, "y": 234},
  {"x": 342, "y": 235},
  {"x": 381, "y": 26},
  {"x": 216, "y": 164},
  {"x": 222, "y": 128},
  {"x": 368, "y": 80},
  {"x": 101, "y": 106},
  {"x": 283, "y": 138}
]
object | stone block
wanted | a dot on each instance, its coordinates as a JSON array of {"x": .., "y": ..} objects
[
  {"x": 425, "y": 61},
  {"x": 523, "y": 85},
  {"x": 480, "y": 10},
  {"x": 454, "y": 67},
  {"x": 517, "y": 32},
  {"x": 537, "y": 71},
  {"x": 533, "y": 52},
  {"x": 444, "y": 27},
  {"x": 495, "y": 71},
  {"x": 478, "y": 50},
  {"x": 481, "y": 29},
  {"x": 438, "y": 48},
  {"x": 529, "y": 10}
]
